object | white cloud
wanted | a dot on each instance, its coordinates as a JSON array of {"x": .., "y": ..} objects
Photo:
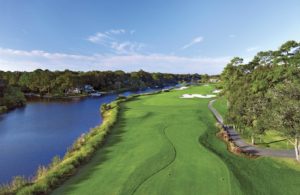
[
  {"x": 110, "y": 40},
  {"x": 252, "y": 49},
  {"x": 126, "y": 47},
  {"x": 116, "y": 31},
  {"x": 30, "y": 60},
  {"x": 99, "y": 38},
  {"x": 193, "y": 42}
]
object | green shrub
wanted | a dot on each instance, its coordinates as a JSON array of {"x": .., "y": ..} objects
[
  {"x": 3, "y": 109},
  {"x": 17, "y": 183},
  {"x": 13, "y": 97},
  {"x": 121, "y": 97},
  {"x": 104, "y": 108},
  {"x": 41, "y": 172},
  {"x": 55, "y": 161}
]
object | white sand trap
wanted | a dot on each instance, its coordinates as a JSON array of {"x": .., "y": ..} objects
[
  {"x": 217, "y": 91},
  {"x": 182, "y": 88},
  {"x": 197, "y": 96}
]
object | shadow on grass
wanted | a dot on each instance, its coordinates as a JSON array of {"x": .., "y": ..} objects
[
  {"x": 272, "y": 142},
  {"x": 100, "y": 156},
  {"x": 153, "y": 165}
]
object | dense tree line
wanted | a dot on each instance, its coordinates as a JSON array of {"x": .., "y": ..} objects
[
  {"x": 264, "y": 93},
  {"x": 59, "y": 83}
]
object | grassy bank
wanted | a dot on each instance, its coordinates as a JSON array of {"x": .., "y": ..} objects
[
  {"x": 59, "y": 170},
  {"x": 163, "y": 144}
]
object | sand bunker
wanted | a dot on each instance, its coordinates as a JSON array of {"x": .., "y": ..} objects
[
  {"x": 181, "y": 88},
  {"x": 197, "y": 96},
  {"x": 217, "y": 91}
]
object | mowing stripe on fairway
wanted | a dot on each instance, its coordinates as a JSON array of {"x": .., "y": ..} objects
[{"x": 168, "y": 164}]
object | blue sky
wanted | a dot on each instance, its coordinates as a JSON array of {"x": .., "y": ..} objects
[{"x": 167, "y": 36}]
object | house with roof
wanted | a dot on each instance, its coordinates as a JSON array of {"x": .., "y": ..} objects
[{"x": 88, "y": 89}]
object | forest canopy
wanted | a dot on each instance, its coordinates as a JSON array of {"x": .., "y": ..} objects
[
  {"x": 45, "y": 81},
  {"x": 264, "y": 93},
  {"x": 13, "y": 85}
]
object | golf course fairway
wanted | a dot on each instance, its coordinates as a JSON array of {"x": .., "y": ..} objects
[{"x": 164, "y": 144}]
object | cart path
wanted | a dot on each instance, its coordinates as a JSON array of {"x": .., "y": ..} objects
[{"x": 243, "y": 145}]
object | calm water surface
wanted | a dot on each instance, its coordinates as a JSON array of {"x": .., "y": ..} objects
[{"x": 33, "y": 135}]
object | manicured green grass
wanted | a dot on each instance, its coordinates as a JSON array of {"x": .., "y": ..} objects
[
  {"x": 163, "y": 144},
  {"x": 221, "y": 105}
]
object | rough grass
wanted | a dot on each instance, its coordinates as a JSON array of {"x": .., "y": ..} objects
[{"x": 163, "y": 144}]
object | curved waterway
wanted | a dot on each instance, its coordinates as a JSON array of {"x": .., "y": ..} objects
[{"x": 33, "y": 135}]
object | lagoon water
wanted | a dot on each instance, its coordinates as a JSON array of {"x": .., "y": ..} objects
[{"x": 33, "y": 135}]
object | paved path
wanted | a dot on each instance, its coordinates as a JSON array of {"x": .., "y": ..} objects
[{"x": 248, "y": 148}]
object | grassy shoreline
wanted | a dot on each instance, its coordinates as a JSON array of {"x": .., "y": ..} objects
[
  {"x": 49, "y": 177},
  {"x": 81, "y": 151}
]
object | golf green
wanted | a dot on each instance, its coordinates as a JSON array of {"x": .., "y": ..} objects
[{"x": 164, "y": 144}]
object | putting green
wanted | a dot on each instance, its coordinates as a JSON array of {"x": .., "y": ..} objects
[{"x": 163, "y": 144}]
